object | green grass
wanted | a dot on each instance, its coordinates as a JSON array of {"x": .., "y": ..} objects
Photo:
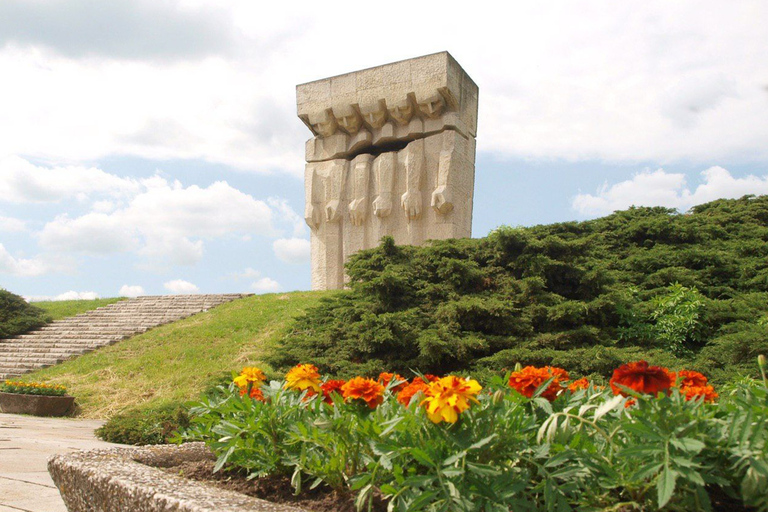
[
  {"x": 174, "y": 363},
  {"x": 58, "y": 309}
]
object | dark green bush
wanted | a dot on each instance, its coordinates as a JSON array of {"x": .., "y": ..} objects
[
  {"x": 17, "y": 316},
  {"x": 684, "y": 290},
  {"x": 141, "y": 427}
]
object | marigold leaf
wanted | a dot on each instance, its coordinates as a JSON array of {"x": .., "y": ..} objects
[{"x": 666, "y": 485}]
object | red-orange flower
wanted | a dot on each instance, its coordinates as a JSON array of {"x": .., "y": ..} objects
[
  {"x": 695, "y": 392},
  {"x": 386, "y": 378},
  {"x": 364, "y": 389},
  {"x": 641, "y": 377},
  {"x": 689, "y": 378},
  {"x": 256, "y": 394},
  {"x": 405, "y": 395},
  {"x": 431, "y": 378},
  {"x": 576, "y": 385},
  {"x": 332, "y": 386},
  {"x": 527, "y": 380}
]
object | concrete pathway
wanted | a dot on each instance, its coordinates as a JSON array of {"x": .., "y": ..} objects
[{"x": 26, "y": 442}]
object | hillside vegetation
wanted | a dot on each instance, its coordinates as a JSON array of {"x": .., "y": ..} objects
[
  {"x": 171, "y": 364},
  {"x": 58, "y": 309},
  {"x": 17, "y": 316},
  {"x": 675, "y": 289}
]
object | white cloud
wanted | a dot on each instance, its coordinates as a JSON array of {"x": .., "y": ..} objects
[
  {"x": 659, "y": 188},
  {"x": 70, "y": 295},
  {"x": 265, "y": 285},
  {"x": 131, "y": 290},
  {"x": 164, "y": 222},
  {"x": 23, "y": 267},
  {"x": 248, "y": 273},
  {"x": 590, "y": 80},
  {"x": 292, "y": 250},
  {"x": 22, "y": 181},
  {"x": 181, "y": 287},
  {"x": 11, "y": 225}
]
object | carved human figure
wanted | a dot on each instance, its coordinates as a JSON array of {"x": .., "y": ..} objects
[
  {"x": 361, "y": 171},
  {"x": 334, "y": 187},
  {"x": 442, "y": 197},
  {"x": 375, "y": 114},
  {"x": 348, "y": 119},
  {"x": 384, "y": 175},
  {"x": 414, "y": 175},
  {"x": 312, "y": 210}
]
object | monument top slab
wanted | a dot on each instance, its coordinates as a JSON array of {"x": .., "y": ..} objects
[{"x": 426, "y": 86}]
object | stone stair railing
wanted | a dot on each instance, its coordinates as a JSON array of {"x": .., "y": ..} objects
[{"x": 70, "y": 337}]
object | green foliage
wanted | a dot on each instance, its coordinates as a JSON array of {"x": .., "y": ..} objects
[
  {"x": 17, "y": 316},
  {"x": 142, "y": 427},
  {"x": 585, "y": 450},
  {"x": 684, "y": 290},
  {"x": 58, "y": 309}
]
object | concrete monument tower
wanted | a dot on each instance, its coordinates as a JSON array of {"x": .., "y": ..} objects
[{"x": 392, "y": 154}]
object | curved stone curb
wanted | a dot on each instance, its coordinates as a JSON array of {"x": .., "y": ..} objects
[{"x": 120, "y": 479}]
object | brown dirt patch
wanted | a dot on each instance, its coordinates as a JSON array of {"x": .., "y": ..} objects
[{"x": 276, "y": 488}]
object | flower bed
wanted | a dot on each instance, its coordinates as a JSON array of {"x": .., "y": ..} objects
[
  {"x": 533, "y": 440},
  {"x": 34, "y": 398}
]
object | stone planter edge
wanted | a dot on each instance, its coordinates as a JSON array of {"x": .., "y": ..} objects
[
  {"x": 36, "y": 405},
  {"x": 120, "y": 479}
]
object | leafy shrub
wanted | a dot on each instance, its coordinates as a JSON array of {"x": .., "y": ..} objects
[
  {"x": 142, "y": 427},
  {"x": 586, "y": 449},
  {"x": 17, "y": 316},
  {"x": 680, "y": 289}
]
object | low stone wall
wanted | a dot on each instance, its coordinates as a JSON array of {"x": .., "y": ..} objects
[{"x": 124, "y": 479}]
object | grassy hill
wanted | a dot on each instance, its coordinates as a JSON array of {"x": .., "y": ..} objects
[
  {"x": 58, "y": 309},
  {"x": 176, "y": 362}
]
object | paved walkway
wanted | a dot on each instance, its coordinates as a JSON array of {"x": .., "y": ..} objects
[{"x": 26, "y": 442}]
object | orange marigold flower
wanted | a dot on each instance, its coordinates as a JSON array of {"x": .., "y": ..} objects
[
  {"x": 448, "y": 397},
  {"x": 303, "y": 376},
  {"x": 250, "y": 375},
  {"x": 527, "y": 380},
  {"x": 332, "y": 386},
  {"x": 360, "y": 388},
  {"x": 255, "y": 393},
  {"x": 688, "y": 378},
  {"x": 576, "y": 385},
  {"x": 407, "y": 393},
  {"x": 386, "y": 378},
  {"x": 641, "y": 377},
  {"x": 430, "y": 377},
  {"x": 695, "y": 392}
]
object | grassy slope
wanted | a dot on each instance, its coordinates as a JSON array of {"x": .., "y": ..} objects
[
  {"x": 176, "y": 362},
  {"x": 59, "y": 309}
]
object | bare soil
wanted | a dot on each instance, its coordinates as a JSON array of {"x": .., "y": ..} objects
[{"x": 276, "y": 489}]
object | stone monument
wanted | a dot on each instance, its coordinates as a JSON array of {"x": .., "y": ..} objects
[{"x": 393, "y": 154}]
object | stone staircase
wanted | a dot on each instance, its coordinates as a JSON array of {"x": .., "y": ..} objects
[{"x": 70, "y": 337}]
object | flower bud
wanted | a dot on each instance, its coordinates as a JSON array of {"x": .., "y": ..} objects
[
  {"x": 761, "y": 361},
  {"x": 498, "y": 397},
  {"x": 518, "y": 367}
]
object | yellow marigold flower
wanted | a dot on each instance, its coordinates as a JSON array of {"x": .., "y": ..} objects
[
  {"x": 250, "y": 375},
  {"x": 303, "y": 376},
  {"x": 448, "y": 397}
]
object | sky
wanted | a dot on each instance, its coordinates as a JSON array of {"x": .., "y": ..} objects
[{"x": 152, "y": 146}]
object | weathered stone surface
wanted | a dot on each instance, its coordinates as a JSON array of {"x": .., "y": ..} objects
[
  {"x": 393, "y": 154},
  {"x": 36, "y": 405},
  {"x": 70, "y": 337},
  {"x": 120, "y": 479}
]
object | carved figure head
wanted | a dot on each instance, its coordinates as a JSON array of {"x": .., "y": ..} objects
[
  {"x": 323, "y": 123},
  {"x": 433, "y": 106},
  {"x": 402, "y": 112},
  {"x": 347, "y": 118},
  {"x": 375, "y": 115}
]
